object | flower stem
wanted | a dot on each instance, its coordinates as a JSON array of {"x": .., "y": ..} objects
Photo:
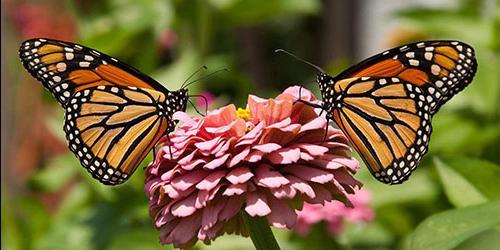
[{"x": 260, "y": 232}]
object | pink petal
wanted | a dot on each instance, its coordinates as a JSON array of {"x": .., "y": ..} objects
[
  {"x": 211, "y": 213},
  {"x": 238, "y": 157},
  {"x": 280, "y": 136},
  {"x": 239, "y": 175},
  {"x": 235, "y": 128},
  {"x": 318, "y": 123},
  {"x": 256, "y": 205},
  {"x": 191, "y": 165},
  {"x": 314, "y": 150},
  {"x": 205, "y": 196},
  {"x": 321, "y": 194},
  {"x": 185, "y": 230},
  {"x": 294, "y": 91},
  {"x": 281, "y": 216},
  {"x": 284, "y": 156},
  {"x": 301, "y": 186},
  {"x": 282, "y": 124},
  {"x": 208, "y": 145},
  {"x": 309, "y": 174},
  {"x": 188, "y": 158},
  {"x": 266, "y": 177},
  {"x": 235, "y": 189},
  {"x": 337, "y": 161},
  {"x": 184, "y": 118},
  {"x": 185, "y": 207},
  {"x": 221, "y": 117},
  {"x": 270, "y": 111},
  {"x": 306, "y": 156},
  {"x": 285, "y": 191},
  {"x": 184, "y": 182},
  {"x": 267, "y": 147},
  {"x": 345, "y": 178},
  {"x": 211, "y": 180},
  {"x": 225, "y": 147},
  {"x": 254, "y": 156},
  {"x": 216, "y": 162},
  {"x": 233, "y": 207}
]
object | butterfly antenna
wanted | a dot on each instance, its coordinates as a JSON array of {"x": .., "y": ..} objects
[
  {"x": 193, "y": 74},
  {"x": 300, "y": 59},
  {"x": 205, "y": 77},
  {"x": 194, "y": 106},
  {"x": 205, "y": 99}
]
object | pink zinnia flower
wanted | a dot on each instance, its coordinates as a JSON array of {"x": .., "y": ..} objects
[
  {"x": 265, "y": 160},
  {"x": 335, "y": 213}
]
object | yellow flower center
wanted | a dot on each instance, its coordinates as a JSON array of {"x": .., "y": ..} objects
[{"x": 243, "y": 113}]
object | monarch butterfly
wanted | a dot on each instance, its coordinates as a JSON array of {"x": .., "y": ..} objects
[
  {"x": 114, "y": 114},
  {"x": 385, "y": 103}
]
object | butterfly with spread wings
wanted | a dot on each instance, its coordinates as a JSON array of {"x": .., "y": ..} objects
[
  {"x": 385, "y": 103},
  {"x": 114, "y": 114}
]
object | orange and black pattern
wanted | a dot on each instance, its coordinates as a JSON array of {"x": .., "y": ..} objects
[
  {"x": 385, "y": 103},
  {"x": 114, "y": 114}
]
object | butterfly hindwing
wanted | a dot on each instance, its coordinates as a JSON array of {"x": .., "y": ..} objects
[
  {"x": 111, "y": 129},
  {"x": 440, "y": 68},
  {"x": 65, "y": 68},
  {"x": 388, "y": 121}
]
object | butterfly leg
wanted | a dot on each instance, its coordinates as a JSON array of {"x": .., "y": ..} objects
[
  {"x": 326, "y": 130},
  {"x": 170, "y": 147},
  {"x": 314, "y": 105},
  {"x": 195, "y": 109}
]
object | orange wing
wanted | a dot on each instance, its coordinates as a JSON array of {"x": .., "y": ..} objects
[
  {"x": 440, "y": 68},
  {"x": 111, "y": 129},
  {"x": 388, "y": 122},
  {"x": 65, "y": 68}
]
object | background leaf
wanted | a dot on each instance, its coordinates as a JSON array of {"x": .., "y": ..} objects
[
  {"x": 448, "y": 229},
  {"x": 458, "y": 189}
]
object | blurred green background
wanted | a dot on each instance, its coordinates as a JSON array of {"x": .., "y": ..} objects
[{"x": 50, "y": 202}]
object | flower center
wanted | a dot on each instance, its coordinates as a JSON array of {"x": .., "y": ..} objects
[{"x": 243, "y": 113}]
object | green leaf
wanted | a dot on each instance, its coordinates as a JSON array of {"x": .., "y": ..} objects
[
  {"x": 483, "y": 175},
  {"x": 458, "y": 189},
  {"x": 487, "y": 240},
  {"x": 448, "y": 229}
]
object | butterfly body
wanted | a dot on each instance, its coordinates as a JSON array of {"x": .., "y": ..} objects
[
  {"x": 114, "y": 114},
  {"x": 385, "y": 103}
]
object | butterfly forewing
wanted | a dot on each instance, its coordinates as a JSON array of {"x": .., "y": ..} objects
[
  {"x": 65, "y": 68},
  {"x": 440, "y": 68},
  {"x": 111, "y": 129}
]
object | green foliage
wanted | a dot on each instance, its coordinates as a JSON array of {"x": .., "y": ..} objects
[{"x": 448, "y": 229}]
